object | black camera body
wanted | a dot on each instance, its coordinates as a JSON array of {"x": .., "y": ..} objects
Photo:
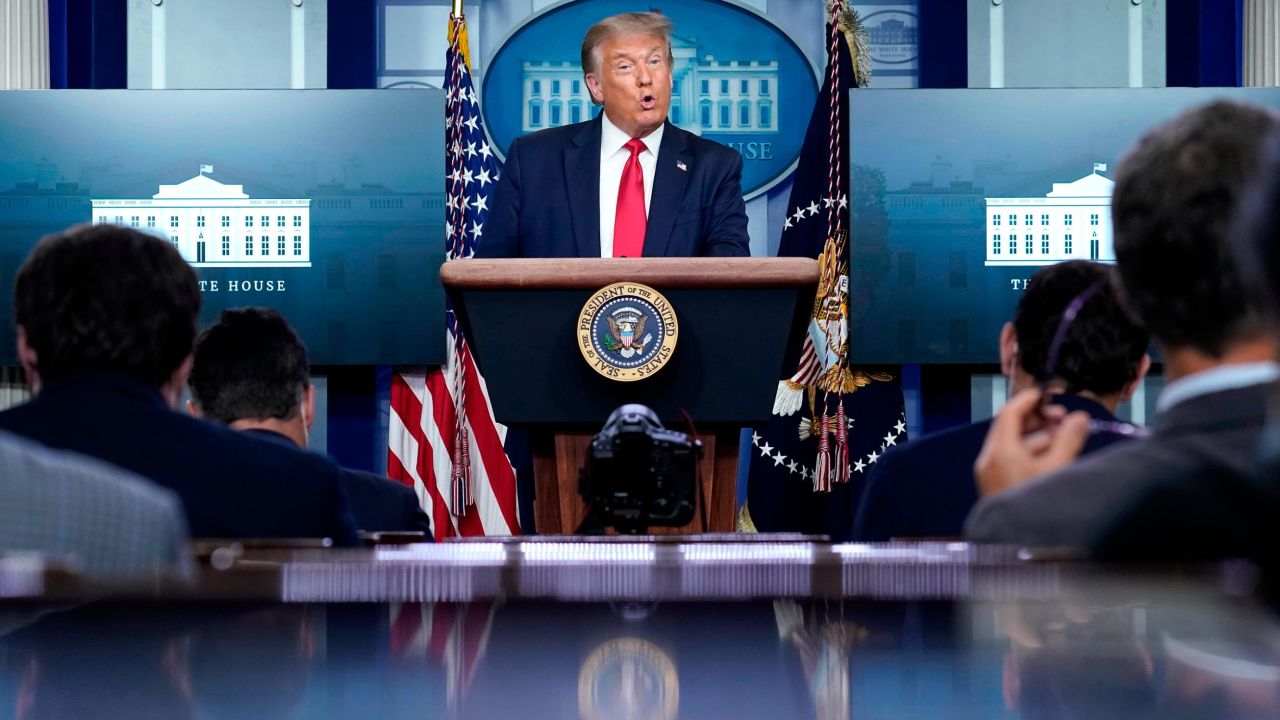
[{"x": 639, "y": 474}]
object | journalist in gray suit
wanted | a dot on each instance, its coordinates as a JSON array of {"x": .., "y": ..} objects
[
  {"x": 102, "y": 520},
  {"x": 1175, "y": 196}
]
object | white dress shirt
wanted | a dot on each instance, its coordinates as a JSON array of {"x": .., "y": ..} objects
[{"x": 613, "y": 158}]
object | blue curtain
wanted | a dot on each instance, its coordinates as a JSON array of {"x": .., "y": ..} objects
[
  {"x": 353, "y": 43},
  {"x": 1203, "y": 43},
  {"x": 944, "y": 44},
  {"x": 88, "y": 43}
]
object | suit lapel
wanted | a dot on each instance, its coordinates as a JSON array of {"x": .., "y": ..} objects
[
  {"x": 582, "y": 175},
  {"x": 669, "y": 181}
]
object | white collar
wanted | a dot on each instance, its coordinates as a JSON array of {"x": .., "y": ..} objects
[
  {"x": 612, "y": 139},
  {"x": 1225, "y": 377}
]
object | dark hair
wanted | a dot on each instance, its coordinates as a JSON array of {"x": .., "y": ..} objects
[
  {"x": 1176, "y": 194},
  {"x": 1103, "y": 345},
  {"x": 1256, "y": 235},
  {"x": 249, "y": 365},
  {"x": 107, "y": 298}
]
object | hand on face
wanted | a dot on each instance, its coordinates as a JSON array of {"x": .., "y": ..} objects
[
  {"x": 632, "y": 79},
  {"x": 1027, "y": 441}
]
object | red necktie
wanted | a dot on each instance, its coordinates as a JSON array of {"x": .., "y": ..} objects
[{"x": 630, "y": 219}]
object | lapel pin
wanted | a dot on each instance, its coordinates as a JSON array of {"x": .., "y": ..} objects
[{"x": 680, "y": 164}]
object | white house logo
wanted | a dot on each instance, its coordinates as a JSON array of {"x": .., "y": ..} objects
[
  {"x": 217, "y": 225},
  {"x": 737, "y": 79},
  {"x": 1072, "y": 222},
  {"x": 732, "y": 98},
  {"x": 893, "y": 36}
]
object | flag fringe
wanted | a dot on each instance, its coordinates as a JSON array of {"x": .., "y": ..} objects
[
  {"x": 789, "y": 398},
  {"x": 855, "y": 35},
  {"x": 822, "y": 471},
  {"x": 842, "y": 445}
]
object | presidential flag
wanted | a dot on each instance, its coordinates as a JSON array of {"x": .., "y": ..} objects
[
  {"x": 443, "y": 439},
  {"x": 831, "y": 421}
]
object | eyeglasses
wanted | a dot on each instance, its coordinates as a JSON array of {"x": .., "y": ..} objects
[{"x": 1051, "y": 365}]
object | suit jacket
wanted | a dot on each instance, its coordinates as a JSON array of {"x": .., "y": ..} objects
[
  {"x": 231, "y": 485},
  {"x": 1203, "y": 514},
  {"x": 378, "y": 504},
  {"x": 547, "y": 201},
  {"x": 109, "y": 522},
  {"x": 1212, "y": 435},
  {"x": 926, "y": 488}
]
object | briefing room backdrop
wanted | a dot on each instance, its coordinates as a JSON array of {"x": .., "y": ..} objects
[{"x": 400, "y": 44}]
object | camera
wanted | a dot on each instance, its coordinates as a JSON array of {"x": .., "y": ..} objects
[{"x": 639, "y": 474}]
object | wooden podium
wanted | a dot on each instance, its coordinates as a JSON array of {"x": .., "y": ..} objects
[{"x": 737, "y": 318}]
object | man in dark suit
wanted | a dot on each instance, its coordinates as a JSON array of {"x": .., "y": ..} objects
[
  {"x": 926, "y": 488},
  {"x": 106, "y": 317},
  {"x": 1175, "y": 195},
  {"x": 628, "y": 183},
  {"x": 1198, "y": 516},
  {"x": 250, "y": 372}
]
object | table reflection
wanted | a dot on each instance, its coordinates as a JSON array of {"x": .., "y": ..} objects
[{"x": 1086, "y": 645}]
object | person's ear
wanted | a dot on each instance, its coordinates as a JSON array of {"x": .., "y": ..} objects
[
  {"x": 29, "y": 360},
  {"x": 172, "y": 390},
  {"x": 593, "y": 85},
  {"x": 1144, "y": 365},
  {"x": 1008, "y": 350},
  {"x": 309, "y": 406}
]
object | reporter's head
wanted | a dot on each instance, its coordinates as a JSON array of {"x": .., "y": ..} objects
[
  {"x": 105, "y": 298},
  {"x": 250, "y": 365},
  {"x": 1102, "y": 350},
  {"x": 1176, "y": 194}
]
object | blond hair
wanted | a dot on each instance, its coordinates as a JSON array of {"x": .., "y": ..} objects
[{"x": 633, "y": 23}]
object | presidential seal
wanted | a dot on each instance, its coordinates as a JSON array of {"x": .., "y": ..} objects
[
  {"x": 628, "y": 678},
  {"x": 627, "y": 331}
]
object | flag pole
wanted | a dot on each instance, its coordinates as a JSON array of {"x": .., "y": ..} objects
[{"x": 457, "y": 8}]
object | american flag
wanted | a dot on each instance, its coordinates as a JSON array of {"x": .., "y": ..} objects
[
  {"x": 443, "y": 439},
  {"x": 831, "y": 421},
  {"x": 452, "y": 636}
]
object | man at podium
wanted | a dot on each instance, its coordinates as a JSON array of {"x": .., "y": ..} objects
[{"x": 627, "y": 183}]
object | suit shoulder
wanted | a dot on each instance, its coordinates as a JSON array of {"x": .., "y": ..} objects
[
  {"x": 83, "y": 476},
  {"x": 1064, "y": 506},
  {"x": 14, "y": 416},
  {"x": 258, "y": 457},
  {"x": 549, "y": 138},
  {"x": 951, "y": 445},
  {"x": 374, "y": 482},
  {"x": 703, "y": 147}
]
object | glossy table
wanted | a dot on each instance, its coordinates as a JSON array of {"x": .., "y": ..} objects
[{"x": 727, "y": 627}]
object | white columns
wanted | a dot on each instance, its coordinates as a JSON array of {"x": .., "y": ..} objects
[
  {"x": 24, "y": 44},
  {"x": 1261, "y": 43}
]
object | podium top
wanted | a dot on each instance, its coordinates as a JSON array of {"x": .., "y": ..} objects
[{"x": 664, "y": 273}]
